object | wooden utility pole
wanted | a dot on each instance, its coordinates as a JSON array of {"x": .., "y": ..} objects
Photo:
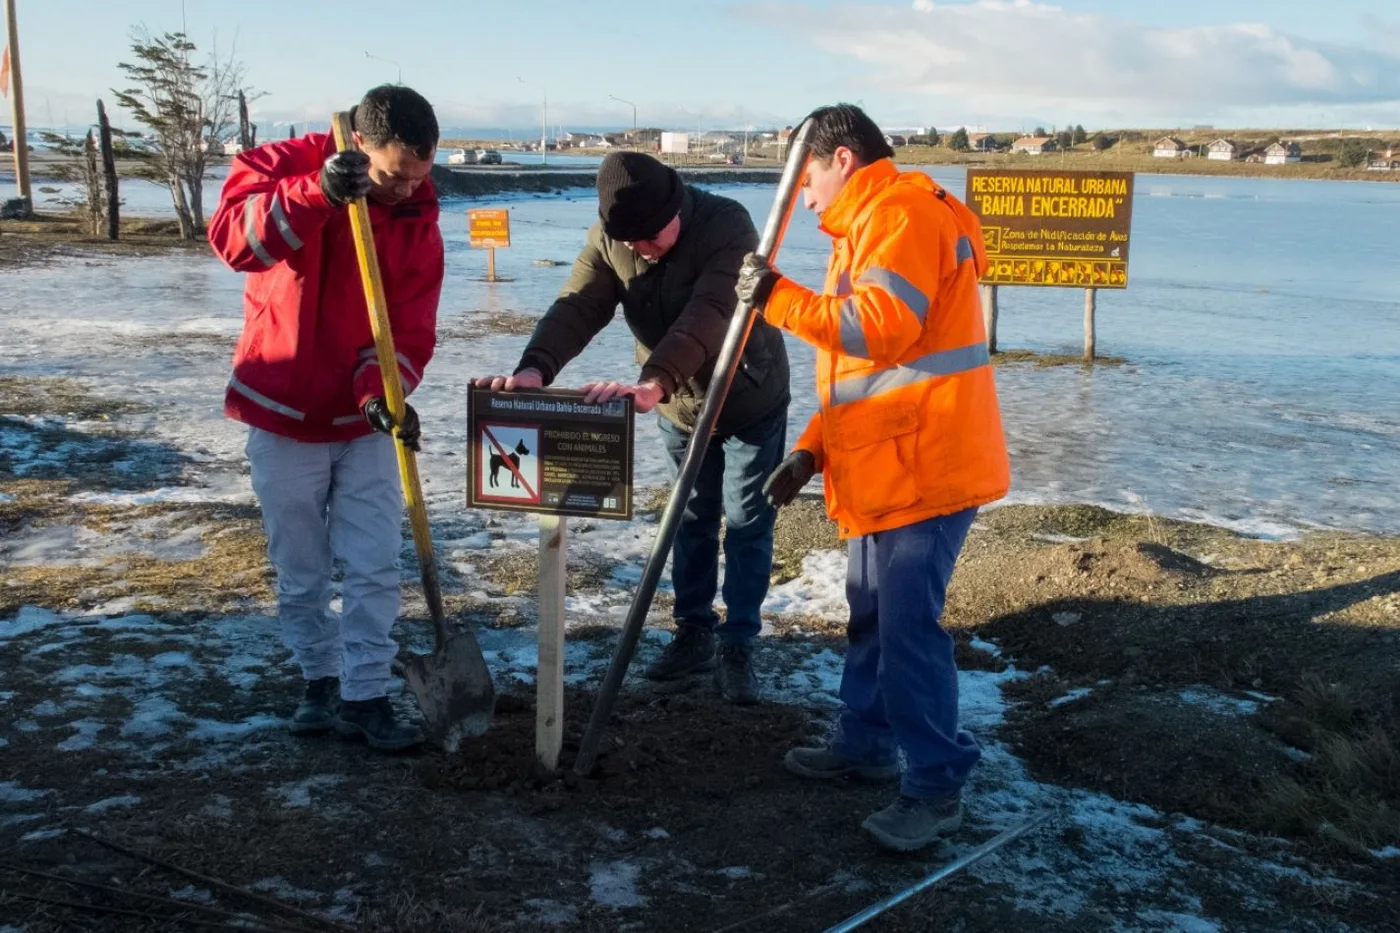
[
  {"x": 1090, "y": 306},
  {"x": 245, "y": 138},
  {"x": 17, "y": 109},
  {"x": 109, "y": 172}
]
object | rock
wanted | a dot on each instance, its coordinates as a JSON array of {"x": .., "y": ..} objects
[
  {"x": 1066, "y": 618},
  {"x": 15, "y": 209}
]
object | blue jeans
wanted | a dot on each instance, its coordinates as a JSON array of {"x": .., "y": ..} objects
[
  {"x": 900, "y": 686},
  {"x": 730, "y": 481}
]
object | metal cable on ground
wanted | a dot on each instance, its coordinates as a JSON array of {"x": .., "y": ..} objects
[
  {"x": 957, "y": 865},
  {"x": 215, "y": 882}
]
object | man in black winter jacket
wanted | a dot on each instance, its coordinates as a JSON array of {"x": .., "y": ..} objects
[{"x": 669, "y": 254}]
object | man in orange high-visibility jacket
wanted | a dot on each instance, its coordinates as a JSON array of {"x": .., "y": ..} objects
[{"x": 909, "y": 441}]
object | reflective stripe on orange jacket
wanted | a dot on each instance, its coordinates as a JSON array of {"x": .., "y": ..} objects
[{"x": 908, "y": 426}]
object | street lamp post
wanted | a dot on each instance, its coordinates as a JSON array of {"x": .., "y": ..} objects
[
  {"x": 389, "y": 61},
  {"x": 634, "y": 111},
  {"x": 544, "y": 118}
]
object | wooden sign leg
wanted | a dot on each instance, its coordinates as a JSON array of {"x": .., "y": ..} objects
[
  {"x": 989, "y": 315},
  {"x": 1090, "y": 306},
  {"x": 549, "y": 682},
  {"x": 491, "y": 264}
]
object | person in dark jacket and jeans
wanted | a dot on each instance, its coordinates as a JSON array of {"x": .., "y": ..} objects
[{"x": 670, "y": 253}]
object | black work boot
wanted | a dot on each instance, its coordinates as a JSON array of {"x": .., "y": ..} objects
[
  {"x": 315, "y": 713},
  {"x": 375, "y": 722},
  {"x": 691, "y": 651},
  {"x": 734, "y": 675}
]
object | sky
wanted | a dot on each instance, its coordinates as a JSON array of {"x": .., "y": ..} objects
[{"x": 1002, "y": 65}]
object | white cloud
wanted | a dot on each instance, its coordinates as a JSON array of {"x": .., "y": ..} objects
[{"x": 1013, "y": 57}]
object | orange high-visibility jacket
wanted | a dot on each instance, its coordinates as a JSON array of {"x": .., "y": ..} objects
[{"x": 908, "y": 426}]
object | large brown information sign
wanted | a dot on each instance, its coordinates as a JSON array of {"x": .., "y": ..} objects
[
  {"x": 1054, "y": 228},
  {"x": 548, "y": 451}
]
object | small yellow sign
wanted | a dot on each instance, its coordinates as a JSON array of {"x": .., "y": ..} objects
[{"x": 488, "y": 228}]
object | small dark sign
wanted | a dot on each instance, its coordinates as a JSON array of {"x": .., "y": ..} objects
[{"x": 547, "y": 451}]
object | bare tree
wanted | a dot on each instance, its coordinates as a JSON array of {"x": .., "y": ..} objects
[
  {"x": 82, "y": 171},
  {"x": 187, "y": 107}
]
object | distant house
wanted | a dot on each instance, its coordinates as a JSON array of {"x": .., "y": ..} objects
[
  {"x": 1224, "y": 150},
  {"x": 1033, "y": 145},
  {"x": 1282, "y": 153},
  {"x": 895, "y": 140},
  {"x": 981, "y": 142},
  {"x": 1169, "y": 147},
  {"x": 1255, "y": 155},
  {"x": 1389, "y": 161}
]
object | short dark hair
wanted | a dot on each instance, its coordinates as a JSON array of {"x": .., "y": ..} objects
[
  {"x": 846, "y": 125},
  {"x": 392, "y": 113}
]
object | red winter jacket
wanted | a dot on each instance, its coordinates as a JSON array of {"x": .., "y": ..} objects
[{"x": 305, "y": 364}]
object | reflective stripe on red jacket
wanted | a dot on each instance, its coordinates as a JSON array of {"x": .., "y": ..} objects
[{"x": 305, "y": 364}]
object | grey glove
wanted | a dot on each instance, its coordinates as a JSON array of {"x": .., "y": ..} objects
[
  {"x": 756, "y": 281},
  {"x": 787, "y": 480}
]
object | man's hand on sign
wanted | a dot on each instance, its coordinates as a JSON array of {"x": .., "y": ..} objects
[
  {"x": 527, "y": 378},
  {"x": 645, "y": 395}
]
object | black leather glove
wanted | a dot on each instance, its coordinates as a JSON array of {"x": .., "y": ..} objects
[
  {"x": 756, "y": 281},
  {"x": 345, "y": 177},
  {"x": 787, "y": 480},
  {"x": 379, "y": 417}
]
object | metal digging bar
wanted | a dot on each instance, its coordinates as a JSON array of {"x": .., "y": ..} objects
[{"x": 725, "y": 369}]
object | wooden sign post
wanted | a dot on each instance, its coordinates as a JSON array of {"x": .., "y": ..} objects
[
  {"x": 547, "y": 451},
  {"x": 1062, "y": 229},
  {"x": 489, "y": 229}
]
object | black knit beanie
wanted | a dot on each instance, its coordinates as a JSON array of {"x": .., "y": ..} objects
[{"x": 637, "y": 196}]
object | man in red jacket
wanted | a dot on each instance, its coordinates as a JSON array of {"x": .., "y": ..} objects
[{"x": 307, "y": 383}]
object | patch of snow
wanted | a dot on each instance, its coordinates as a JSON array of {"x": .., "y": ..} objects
[
  {"x": 1064, "y": 619},
  {"x": 1388, "y": 852},
  {"x": 1261, "y": 697},
  {"x": 298, "y": 793},
  {"x": 375, "y": 860},
  {"x": 39, "y": 835},
  {"x": 1218, "y": 703},
  {"x": 280, "y": 887},
  {"x": 219, "y": 807},
  {"x": 84, "y": 737},
  {"x": 1078, "y": 693},
  {"x": 153, "y": 716},
  {"x": 193, "y": 894},
  {"x": 820, "y": 590},
  {"x": 1059, "y": 539},
  {"x": 1177, "y": 923},
  {"x": 28, "y": 619},
  {"x": 212, "y": 730},
  {"x": 736, "y": 873},
  {"x": 6, "y": 696},
  {"x": 19, "y": 819},
  {"x": 26, "y": 725},
  {"x": 6, "y": 497},
  {"x": 986, "y": 647},
  {"x": 614, "y": 884},
  {"x": 47, "y": 709},
  {"x": 112, "y": 803},
  {"x": 656, "y": 832},
  {"x": 14, "y": 792}
]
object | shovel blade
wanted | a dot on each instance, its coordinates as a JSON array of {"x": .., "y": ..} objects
[{"x": 454, "y": 690}]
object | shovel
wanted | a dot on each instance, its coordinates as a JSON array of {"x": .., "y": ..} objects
[{"x": 453, "y": 684}]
